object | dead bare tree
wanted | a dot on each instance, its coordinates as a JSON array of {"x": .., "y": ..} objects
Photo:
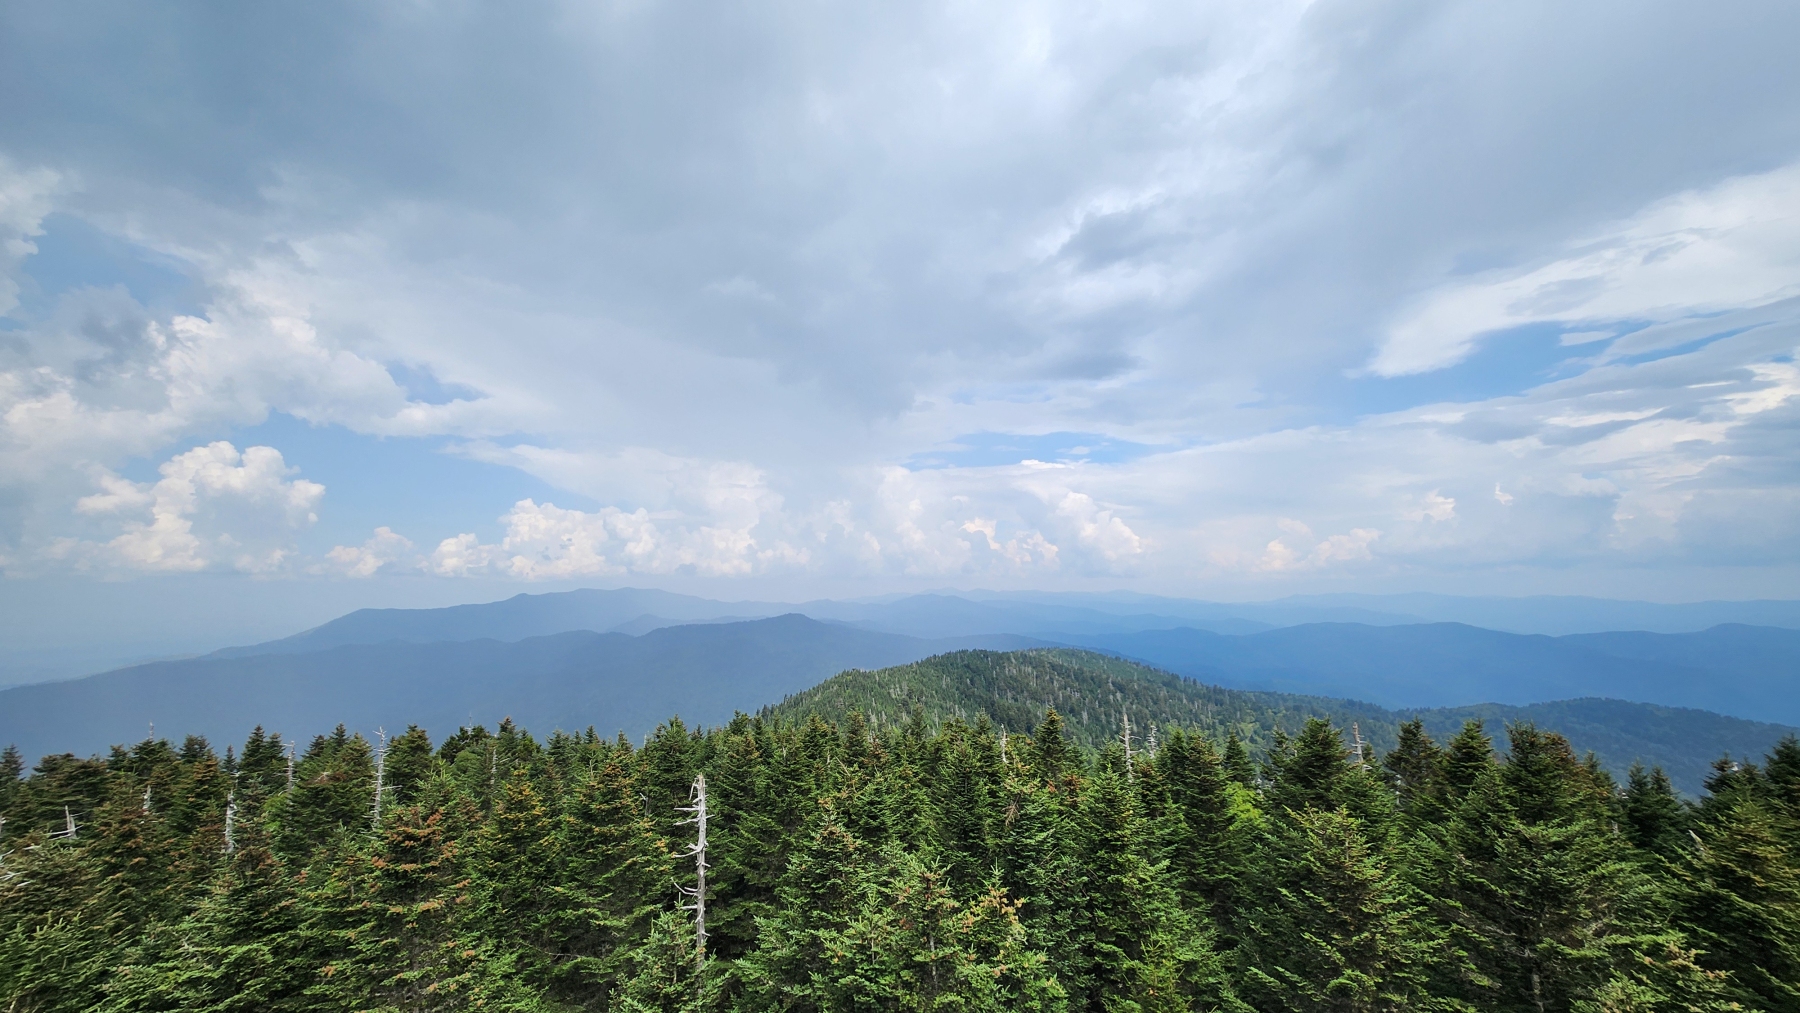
[
  {"x": 380, "y": 774},
  {"x": 697, "y": 851}
]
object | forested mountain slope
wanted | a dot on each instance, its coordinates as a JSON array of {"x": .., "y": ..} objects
[{"x": 1095, "y": 692}]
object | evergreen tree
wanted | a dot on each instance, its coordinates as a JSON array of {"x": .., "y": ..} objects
[
  {"x": 1338, "y": 929},
  {"x": 967, "y": 787},
  {"x": 806, "y": 961},
  {"x": 1138, "y": 950},
  {"x": 1781, "y": 772},
  {"x": 751, "y": 843},
  {"x": 517, "y": 861},
  {"x": 410, "y": 763},
  {"x": 1737, "y": 896},
  {"x": 58, "y": 935},
  {"x": 1466, "y": 758},
  {"x": 262, "y": 767},
  {"x": 396, "y": 918},
  {"x": 1237, "y": 762},
  {"x": 12, "y": 766},
  {"x": 334, "y": 791},
  {"x": 1532, "y": 885},
  {"x": 1205, "y": 845},
  {"x": 1416, "y": 765},
  {"x": 1665, "y": 978},
  {"x": 615, "y": 873},
  {"x": 666, "y": 975},
  {"x": 244, "y": 949},
  {"x": 933, "y": 952},
  {"x": 1651, "y": 812},
  {"x": 1050, "y": 757},
  {"x": 1041, "y": 871}
]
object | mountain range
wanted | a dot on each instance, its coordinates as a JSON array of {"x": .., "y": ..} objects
[
  {"x": 1044, "y": 615},
  {"x": 614, "y": 682},
  {"x": 1747, "y": 671},
  {"x": 624, "y": 660}
]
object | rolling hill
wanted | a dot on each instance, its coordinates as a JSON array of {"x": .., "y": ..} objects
[{"x": 1094, "y": 691}]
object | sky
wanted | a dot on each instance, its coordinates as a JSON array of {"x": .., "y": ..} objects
[{"x": 416, "y": 301}]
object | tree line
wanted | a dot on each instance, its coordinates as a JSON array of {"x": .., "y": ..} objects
[{"x": 911, "y": 866}]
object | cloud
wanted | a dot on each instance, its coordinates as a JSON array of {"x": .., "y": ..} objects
[
  {"x": 1334, "y": 550},
  {"x": 383, "y": 548},
  {"x": 1434, "y": 506},
  {"x": 213, "y": 508},
  {"x": 1695, "y": 254},
  {"x": 26, "y": 196},
  {"x": 714, "y": 283},
  {"x": 545, "y": 541}
]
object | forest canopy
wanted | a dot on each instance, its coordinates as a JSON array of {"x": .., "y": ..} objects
[{"x": 907, "y": 862}]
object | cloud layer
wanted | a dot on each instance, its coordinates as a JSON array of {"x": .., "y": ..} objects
[{"x": 1374, "y": 288}]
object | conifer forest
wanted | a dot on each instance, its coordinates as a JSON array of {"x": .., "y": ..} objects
[{"x": 897, "y": 858}]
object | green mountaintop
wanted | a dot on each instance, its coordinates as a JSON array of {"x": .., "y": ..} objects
[{"x": 1095, "y": 692}]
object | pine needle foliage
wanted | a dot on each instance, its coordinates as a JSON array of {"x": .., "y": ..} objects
[{"x": 973, "y": 833}]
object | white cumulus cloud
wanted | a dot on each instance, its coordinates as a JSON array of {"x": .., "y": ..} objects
[
  {"x": 383, "y": 548},
  {"x": 214, "y": 507}
]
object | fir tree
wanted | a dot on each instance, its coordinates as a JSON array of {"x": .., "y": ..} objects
[
  {"x": 1050, "y": 751},
  {"x": 397, "y": 920},
  {"x": 616, "y": 871},
  {"x": 1204, "y": 845},
  {"x": 244, "y": 949},
  {"x": 1737, "y": 895},
  {"x": 1416, "y": 765},
  {"x": 410, "y": 763},
  {"x": 1237, "y": 762},
  {"x": 1650, "y": 811},
  {"x": 805, "y": 961},
  {"x": 1041, "y": 871},
  {"x": 1138, "y": 949},
  {"x": 1531, "y": 884},
  {"x": 1338, "y": 928},
  {"x": 1466, "y": 758}
]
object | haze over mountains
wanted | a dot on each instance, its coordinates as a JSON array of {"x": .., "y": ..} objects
[
  {"x": 624, "y": 660},
  {"x": 1028, "y": 613},
  {"x": 612, "y": 681},
  {"x": 1329, "y": 648}
]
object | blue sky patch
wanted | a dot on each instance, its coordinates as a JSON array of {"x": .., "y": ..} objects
[{"x": 71, "y": 254}]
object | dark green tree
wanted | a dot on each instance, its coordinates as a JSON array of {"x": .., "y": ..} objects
[
  {"x": 1338, "y": 928},
  {"x": 1651, "y": 813},
  {"x": 1737, "y": 896}
]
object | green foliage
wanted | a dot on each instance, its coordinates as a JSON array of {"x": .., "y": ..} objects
[
  {"x": 1339, "y": 927},
  {"x": 965, "y": 834}
]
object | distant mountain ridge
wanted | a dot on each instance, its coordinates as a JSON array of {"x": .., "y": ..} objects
[
  {"x": 634, "y": 610},
  {"x": 512, "y": 619},
  {"x": 1043, "y": 615},
  {"x": 704, "y": 671},
  {"x": 1747, "y": 671},
  {"x": 615, "y": 682}
]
